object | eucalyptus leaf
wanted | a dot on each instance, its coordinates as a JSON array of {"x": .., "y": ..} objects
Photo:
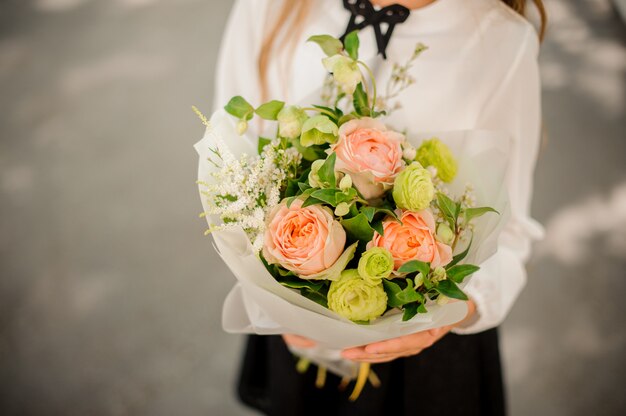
[{"x": 239, "y": 107}]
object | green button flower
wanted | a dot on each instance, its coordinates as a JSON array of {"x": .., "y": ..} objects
[
  {"x": 375, "y": 264},
  {"x": 413, "y": 188},
  {"x": 356, "y": 299},
  {"x": 436, "y": 154}
]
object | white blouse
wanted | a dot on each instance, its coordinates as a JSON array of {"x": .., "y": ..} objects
[{"x": 480, "y": 72}]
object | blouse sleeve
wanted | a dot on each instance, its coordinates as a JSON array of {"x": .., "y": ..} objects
[
  {"x": 514, "y": 107},
  {"x": 236, "y": 71}
]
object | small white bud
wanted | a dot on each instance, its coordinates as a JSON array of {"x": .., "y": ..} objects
[
  {"x": 419, "y": 280},
  {"x": 442, "y": 300},
  {"x": 345, "y": 183},
  {"x": 242, "y": 127},
  {"x": 342, "y": 209}
]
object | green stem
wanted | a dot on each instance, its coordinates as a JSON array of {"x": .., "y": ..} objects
[
  {"x": 371, "y": 74},
  {"x": 320, "y": 110}
]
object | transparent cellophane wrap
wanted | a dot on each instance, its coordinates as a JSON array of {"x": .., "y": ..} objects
[{"x": 258, "y": 304}]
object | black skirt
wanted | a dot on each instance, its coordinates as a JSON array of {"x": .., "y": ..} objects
[{"x": 459, "y": 375}]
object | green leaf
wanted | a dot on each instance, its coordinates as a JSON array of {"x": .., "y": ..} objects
[
  {"x": 358, "y": 228},
  {"x": 447, "y": 206},
  {"x": 360, "y": 101},
  {"x": 327, "y": 171},
  {"x": 409, "y": 294},
  {"x": 262, "y": 143},
  {"x": 398, "y": 297},
  {"x": 295, "y": 282},
  {"x": 326, "y": 195},
  {"x": 346, "y": 196},
  {"x": 460, "y": 256},
  {"x": 422, "y": 308},
  {"x": 239, "y": 107},
  {"x": 471, "y": 213},
  {"x": 330, "y": 45},
  {"x": 270, "y": 110},
  {"x": 370, "y": 212},
  {"x": 311, "y": 201},
  {"x": 450, "y": 289},
  {"x": 461, "y": 271},
  {"x": 290, "y": 201},
  {"x": 310, "y": 153},
  {"x": 377, "y": 225},
  {"x": 315, "y": 297},
  {"x": 415, "y": 266},
  {"x": 291, "y": 189},
  {"x": 410, "y": 311},
  {"x": 345, "y": 119},
  {"x": 303, "y": 186},
  {"x": 351, "y": 44},
  {"x": 392, "y": 289}
]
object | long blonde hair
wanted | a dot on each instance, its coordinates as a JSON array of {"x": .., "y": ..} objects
[{"x": 293, "y": 13}]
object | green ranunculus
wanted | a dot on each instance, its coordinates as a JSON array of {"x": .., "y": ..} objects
[
  {"x": 413, "y": 188},
  {"x": 290, "y": 121},
  {"x": 318, "y": 130},
  {"x": 355, "y": 298},
  {"x": 375, "y": 264},
  {"x": 435, "y": 153},
  {"x": 345, "y": 72}
]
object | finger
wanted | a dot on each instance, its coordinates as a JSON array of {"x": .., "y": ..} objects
[
  {"x": 383, "y": 358},
  {"x": 398, "y": 345},
  {"x": 298, "y": 341}
]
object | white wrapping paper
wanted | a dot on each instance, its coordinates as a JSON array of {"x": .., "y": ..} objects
[{"x": 259, "y": 304}]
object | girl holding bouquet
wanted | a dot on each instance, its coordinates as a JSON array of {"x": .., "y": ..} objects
[{"x": 480, "y": 73}]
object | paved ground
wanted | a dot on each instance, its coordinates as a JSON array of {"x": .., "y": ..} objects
[{"x": 110, "y": 296}]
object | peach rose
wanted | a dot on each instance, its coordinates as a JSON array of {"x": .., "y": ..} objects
[
  {"x": 414, "y": 239},
  {"x": 304, "y": 240},
  {"x": 371, "y": 154}
]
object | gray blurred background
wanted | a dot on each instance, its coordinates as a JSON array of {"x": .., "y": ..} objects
[{"x": 110, "y": 296}]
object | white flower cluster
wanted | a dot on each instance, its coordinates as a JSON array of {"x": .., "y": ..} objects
[{"x": 246, "y": 189}]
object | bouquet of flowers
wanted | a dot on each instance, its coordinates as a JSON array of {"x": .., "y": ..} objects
[{"x": 341, "y": 228}]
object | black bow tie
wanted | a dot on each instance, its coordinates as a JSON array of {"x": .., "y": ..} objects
[{"x": 391, "y": 15}]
